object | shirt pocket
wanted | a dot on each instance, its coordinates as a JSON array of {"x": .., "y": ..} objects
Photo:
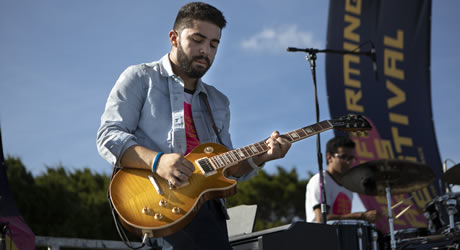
[{"x": 220, "y": 117}]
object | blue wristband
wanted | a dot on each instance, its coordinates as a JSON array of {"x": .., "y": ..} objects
[{"x": 155, "y": 162}]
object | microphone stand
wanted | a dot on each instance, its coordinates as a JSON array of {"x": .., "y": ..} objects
[{"x": 311, "y": 58}]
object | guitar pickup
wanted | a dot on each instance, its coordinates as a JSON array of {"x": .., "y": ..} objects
[
  {"x": 206, "y": 166},
  {"x": 155, "y": 185}
]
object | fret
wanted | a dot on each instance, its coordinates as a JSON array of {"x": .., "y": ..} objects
[
  {"x": 294, "y": 135},
  {"x": 253, "y": 148},
  {"x": 248, "y": 151},
  {"x": 235, "y": 153},
  {"x": 221, "y": 163},
  {"x": 214, "y": 161},
  {"x": 325, "y": 124},
  {"x": 288, "y": 137},
  {"x": 245, "y": 152},
  {"x": 301, "y": 133},
  {"x": 232, "y": 154},
  {"x": 222, "y": 158},
  {"x": 241, "y": 154},
  {"x": 226, "y": 159},
  {"x": 264, "y": 146},
  {"x": 259, "y": 147},
  {"x": 316, "y": 127},
  {"x": 308, "y": 130}
]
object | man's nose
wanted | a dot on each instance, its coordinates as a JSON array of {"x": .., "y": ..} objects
[{"x": 204, "y": 50}]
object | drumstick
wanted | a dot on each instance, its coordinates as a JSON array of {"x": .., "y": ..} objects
[
  {"x": 401, "y": 202},
  {"x": 403, "y": 211}
]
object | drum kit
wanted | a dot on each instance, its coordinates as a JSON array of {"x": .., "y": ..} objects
[{"x": 397, "y": 177}]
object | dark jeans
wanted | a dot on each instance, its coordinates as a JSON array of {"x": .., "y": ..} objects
[{"x": 208, "y": 230}]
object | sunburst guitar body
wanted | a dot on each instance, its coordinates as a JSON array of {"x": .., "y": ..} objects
[{"x": 148, "y": 206}]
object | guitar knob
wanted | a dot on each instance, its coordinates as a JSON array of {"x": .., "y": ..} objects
[
  {"x": 147, "y": 210},
  {"x": 158, "y": 216},
  {"x": 176, "y": 210},
  {"x": 209, "y": 150},
  {"x": 163, "y": 203}
]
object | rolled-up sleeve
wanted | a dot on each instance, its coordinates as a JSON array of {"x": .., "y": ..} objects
[{"x": 121, "y": 115}]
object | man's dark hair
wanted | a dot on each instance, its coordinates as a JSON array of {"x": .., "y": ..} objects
[
  {"x": 198, "y": 11},
  {"x": 339, "y": 141}
]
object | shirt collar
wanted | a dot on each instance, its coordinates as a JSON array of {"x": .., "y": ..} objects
[
  {"x": 165, "y": 66},
  {"x": 166, "y": 71}
]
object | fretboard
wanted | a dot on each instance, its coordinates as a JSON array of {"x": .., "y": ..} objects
[{"x": 235, "y": 156}]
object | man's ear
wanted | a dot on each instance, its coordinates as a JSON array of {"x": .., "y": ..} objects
[
  {"x": 328, "y": 157},
  {"x": 173, "y": 38}
]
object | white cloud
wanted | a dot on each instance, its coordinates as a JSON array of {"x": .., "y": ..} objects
[{"x": 279, "y": 38}]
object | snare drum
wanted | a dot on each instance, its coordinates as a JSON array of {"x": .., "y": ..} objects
[
  {"x": 355, "y": 234},
  {"x": 437, "y": 211}
]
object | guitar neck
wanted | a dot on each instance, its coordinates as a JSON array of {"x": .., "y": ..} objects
[{"x": 235, "y": 156}]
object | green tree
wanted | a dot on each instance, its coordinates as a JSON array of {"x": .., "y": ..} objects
[
  {"x": 62, "y": 203},
  {"x": 24, "y": 191}
]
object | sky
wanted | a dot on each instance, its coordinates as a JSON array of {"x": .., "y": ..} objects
[{"x": 59, "y": 61}]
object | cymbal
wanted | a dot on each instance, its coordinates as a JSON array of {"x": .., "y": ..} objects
[
  {"x": 452, "y": 175},
  {"x": 402, "y": 176}
]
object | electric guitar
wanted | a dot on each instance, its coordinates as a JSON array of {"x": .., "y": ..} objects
[{"x": 148, "y": 206}]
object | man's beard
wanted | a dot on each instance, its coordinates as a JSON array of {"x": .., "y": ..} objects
[{"x": 185, "y": 64}]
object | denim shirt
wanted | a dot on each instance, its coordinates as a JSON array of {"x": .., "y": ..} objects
[{"x": 146, "y": 107}]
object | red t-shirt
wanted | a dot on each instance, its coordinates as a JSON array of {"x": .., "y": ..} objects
[{"x": 190, "y": 131}]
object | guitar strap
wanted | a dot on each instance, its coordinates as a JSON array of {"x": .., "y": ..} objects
[{"x": 214, "y": 127}]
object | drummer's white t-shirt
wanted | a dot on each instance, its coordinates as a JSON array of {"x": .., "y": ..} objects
[{"x": 338, "y": 198}]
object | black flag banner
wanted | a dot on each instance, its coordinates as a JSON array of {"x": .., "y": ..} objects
[{"x": 396, "y": 98}]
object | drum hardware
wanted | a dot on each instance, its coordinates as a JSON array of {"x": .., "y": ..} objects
[
  {"x": 390, "y": 218},
  {"x": 452, "y": 175},
  {"x": 375, "y": 239},
  {"x": 360, "y": 237},
  {"x": 451, "y": 210},
  {"x": 356, "y": 234},
  {"x": 408, "y": 235},
  {"x": 442, "y": 213},
  {"x": 386, "y": 177}
]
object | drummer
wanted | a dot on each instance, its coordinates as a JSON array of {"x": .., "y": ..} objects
[{"x": 340, "y": 157}]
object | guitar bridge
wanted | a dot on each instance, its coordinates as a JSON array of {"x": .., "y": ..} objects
[{"x": 206, "y": 166}]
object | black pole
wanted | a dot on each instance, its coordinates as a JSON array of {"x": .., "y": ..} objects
[{"x": 311, "y": 58}]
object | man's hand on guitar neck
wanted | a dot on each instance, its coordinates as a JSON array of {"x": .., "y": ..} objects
[{"x": 279, "y": 147}]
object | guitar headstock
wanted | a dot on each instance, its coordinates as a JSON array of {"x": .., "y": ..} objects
[{"x": 351, "y": 123}]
